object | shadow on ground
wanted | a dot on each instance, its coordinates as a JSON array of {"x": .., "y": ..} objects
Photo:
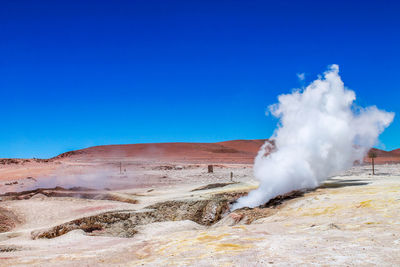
[{"x": 343, "y": 183}]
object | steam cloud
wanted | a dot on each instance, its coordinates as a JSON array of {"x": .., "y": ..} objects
[{"x": 320, "y": 133}]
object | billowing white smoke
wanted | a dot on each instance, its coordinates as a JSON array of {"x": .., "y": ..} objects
[{"x": 320, "y": 133}]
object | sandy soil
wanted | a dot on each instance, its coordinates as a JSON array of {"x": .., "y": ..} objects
[
  {"x": 353, "y": 219},
  {"x": 157, "y": 205},
  {"x": 135, "y": 158}
]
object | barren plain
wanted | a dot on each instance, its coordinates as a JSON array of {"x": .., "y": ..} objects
[{"x": 159, "y": 206}]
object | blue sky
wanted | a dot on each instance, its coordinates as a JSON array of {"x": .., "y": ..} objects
[{"x": 75, "y": 74}]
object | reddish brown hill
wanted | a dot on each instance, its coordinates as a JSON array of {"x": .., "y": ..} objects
[
  {"x": 385, "y": 156},
  {"x": 395, "y": 152},
  {"x": 237, "y": 151}
]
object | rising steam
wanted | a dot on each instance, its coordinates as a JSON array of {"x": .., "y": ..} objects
[{"x": 320, "y": 133}]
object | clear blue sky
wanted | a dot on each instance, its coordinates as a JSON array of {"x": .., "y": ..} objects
[{"x": 75, "y": 74}]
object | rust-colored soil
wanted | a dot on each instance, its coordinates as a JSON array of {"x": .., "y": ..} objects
[
  {"x": 89, "y": 159},
  {"x": 237, "y": 151}
]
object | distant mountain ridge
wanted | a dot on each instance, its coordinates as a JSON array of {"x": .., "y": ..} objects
[{"x": 234, "y": 151}]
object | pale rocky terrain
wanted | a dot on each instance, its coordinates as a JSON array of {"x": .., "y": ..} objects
[{"x": 123, "y": 211}]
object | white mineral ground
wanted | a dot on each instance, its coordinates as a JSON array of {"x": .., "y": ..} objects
[{"x": 353, "y": 219}]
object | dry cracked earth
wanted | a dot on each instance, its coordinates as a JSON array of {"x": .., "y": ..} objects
[{"x": 106, "y": 214}]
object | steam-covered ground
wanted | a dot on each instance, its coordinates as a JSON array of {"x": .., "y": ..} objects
[{"x": 353, "y": 219}]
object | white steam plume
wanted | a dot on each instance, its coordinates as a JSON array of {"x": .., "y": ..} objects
[{"x": 320, "y": 134}]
